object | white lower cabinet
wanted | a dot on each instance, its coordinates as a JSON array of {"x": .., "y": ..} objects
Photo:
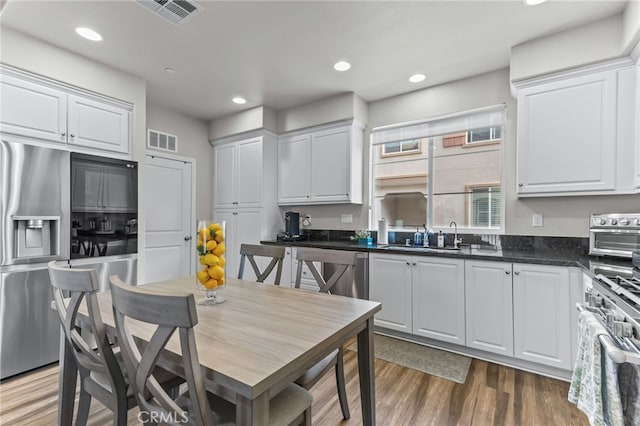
[
  {"x": 541, "y": 314},
  {"x": 242, "y": 226},
  {"x": 489, "y": 306},
  {"x": 419, "y": 295},
  {"x": 520, "y": 311},
  {"x": 438, "y": 298},
  {"x": 390, "y": 284}
]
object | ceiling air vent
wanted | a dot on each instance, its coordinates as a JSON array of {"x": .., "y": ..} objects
[
  {"x": 174, "y": 11},
  {"x": 163, "y": 141}
]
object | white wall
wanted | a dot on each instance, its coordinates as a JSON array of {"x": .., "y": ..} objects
[
  {"x": 584, "y": 45},
  {"x": 193, "y": 143},
  {"x": 337, "y": 108},
  {"x": 241, "y": 122}
]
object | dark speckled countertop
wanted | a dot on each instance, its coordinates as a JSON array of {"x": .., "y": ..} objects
[{"x": 542, "y": 256}]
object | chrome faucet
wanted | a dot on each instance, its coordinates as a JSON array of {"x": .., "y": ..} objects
[{"x": 456, "y": 241}]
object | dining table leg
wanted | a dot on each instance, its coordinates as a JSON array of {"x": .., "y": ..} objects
[
  {"x": 252, "y": 412},
  {"x": 366, "y": 371},
  {"x": 67, "y": 377}
]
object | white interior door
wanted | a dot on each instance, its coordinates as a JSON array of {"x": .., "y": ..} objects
[{"x": 168, "y": 201}]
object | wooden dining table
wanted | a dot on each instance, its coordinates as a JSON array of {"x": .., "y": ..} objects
[{"x": 256, "y": 343}]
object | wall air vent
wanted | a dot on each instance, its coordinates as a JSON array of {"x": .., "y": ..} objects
[
  {"x": 162, "y": 141},
  {"x": 174, "y": 11}
]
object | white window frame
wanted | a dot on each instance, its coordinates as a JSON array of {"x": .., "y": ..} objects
[
  {"x": 470, "y": 210},
  {"x": 418, "y": 150}
]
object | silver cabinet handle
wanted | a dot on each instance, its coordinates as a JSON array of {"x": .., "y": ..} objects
[
  {"x": 414, "y": 263},
  {"x": 63, "y": 134},
  {"x": 408, "y": 263},
  {"x": 187, "y": 238},
  {"x": 516, "y": 273},
  {"x": 520, "y": 184},
  {"x": 72, "y": 135},
  {"x": 507, "y": 272}
]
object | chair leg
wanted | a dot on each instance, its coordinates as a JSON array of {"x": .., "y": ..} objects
[
  {"x": 84, "y": 404},
  {"x": 342, "y": 391},
  {"x": 307, "y": 417},
  {"x": 120, "y": 410}
]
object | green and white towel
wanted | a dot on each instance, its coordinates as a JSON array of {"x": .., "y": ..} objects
[{"x": 594, "y": 385}]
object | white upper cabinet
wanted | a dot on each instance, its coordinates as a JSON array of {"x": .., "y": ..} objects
[
  {"x": 32, "y": 110},
  {"x": 238, "y": 174},
  {"x": 294, "y": 163},
  {"x": 50, "y": 111},
  {"x": 97, "y": 124},
  {"x": 575, "y": 132},
  {"x": 321, "y": 166}
]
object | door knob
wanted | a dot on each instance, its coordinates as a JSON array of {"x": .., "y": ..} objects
[{"x": 187, "y": 238}]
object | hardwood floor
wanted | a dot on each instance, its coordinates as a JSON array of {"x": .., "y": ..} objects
[{"x": 492, "y": 395}]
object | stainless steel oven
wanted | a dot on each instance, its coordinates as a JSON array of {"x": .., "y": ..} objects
[{"x": 614, "y": 234}]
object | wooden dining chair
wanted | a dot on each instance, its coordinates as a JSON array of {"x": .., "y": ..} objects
[
  {"x": 101, "y": 375},
  {"x": 251, "y": 251},
  {"x": 171, "y": 313},
  {"x": 344, "y": 263}
]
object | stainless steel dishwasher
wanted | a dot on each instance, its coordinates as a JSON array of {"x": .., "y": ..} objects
[{"x": 356, "y": 286}]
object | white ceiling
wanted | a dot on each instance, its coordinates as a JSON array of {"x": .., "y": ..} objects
[{"x": 280, "y": 54}]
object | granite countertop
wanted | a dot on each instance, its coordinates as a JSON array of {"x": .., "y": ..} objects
[{"x": 556, "y": 257}]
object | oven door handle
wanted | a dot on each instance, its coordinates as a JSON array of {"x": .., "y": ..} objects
[{"x": 615, "y": 231}]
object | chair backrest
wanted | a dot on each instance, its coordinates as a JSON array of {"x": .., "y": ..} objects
[
  {"x": 169, "y": 313},
  {"x": 250, "y": 251},
  {"x": 343, "y": 262},
  {"x": 91, "y": 349}
]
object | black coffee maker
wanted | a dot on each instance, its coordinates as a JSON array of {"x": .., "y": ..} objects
[{"x": 292, "y": 224}]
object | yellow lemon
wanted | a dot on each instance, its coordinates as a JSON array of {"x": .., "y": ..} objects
[
  {"x": 221, "y": 281},
  {"x": 219, "y": 250},
  {"x": 211, "y": 284},
  {"x": 215, "y": 227},
  {"x": 201, "y": 260},
  {"x": 211, "y": 244},
  {"x": 216, "y": 272},
  {"x": 211, "y": 259},
  {"x": 222, "y": 261},
  {"x": 203, "y": 276},
  {"x": 219, "y": 236}
]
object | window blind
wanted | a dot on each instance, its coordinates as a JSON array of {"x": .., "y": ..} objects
[{"x": 492, "y": 116}]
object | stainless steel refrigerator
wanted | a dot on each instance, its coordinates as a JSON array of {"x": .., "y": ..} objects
[{"x": 34, "y": 229}]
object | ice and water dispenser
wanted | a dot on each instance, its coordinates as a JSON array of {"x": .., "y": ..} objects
[{"x": 36, "y": 236}]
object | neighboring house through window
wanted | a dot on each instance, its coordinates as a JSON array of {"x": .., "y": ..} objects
[{"x": 442, "y": 172}]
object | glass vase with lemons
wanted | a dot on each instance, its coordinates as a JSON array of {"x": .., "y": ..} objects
[{"x": 210, "y": 264}]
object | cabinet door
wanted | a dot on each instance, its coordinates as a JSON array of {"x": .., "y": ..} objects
[
  {"x": 117, "y": 191},
  {"x": 541, "y": 314},
  {"x": 489, "y": 306},
  {"x": 249, "y": 173},
  {"x": 97, "y": 124},
  {"x": 32, "y": 110},
  {"x": 87, "y": 187},
  {"x": 567, "y": 136},
  {"x": 242, "y": 226},
  {"x": 438, "y": 298},
  {"x": 390, "y": 284},
  {"x": 294, "y": 156},
  {"x": 330, "y": 161},
  {"x": 224, "y": 169}
]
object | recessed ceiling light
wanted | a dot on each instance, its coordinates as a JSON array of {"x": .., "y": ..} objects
[
  {"x": 341, "y": 66},
  {"x": 417, "y": 78},
  {"x": 533, "y": 2},
  {"x": 89, "y": 34},
  {"x": 169, "y": 70},
  {"x": 239, "y": 100}
]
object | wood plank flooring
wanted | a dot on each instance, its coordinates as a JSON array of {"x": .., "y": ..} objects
[{"x": 492, "y": 395}]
